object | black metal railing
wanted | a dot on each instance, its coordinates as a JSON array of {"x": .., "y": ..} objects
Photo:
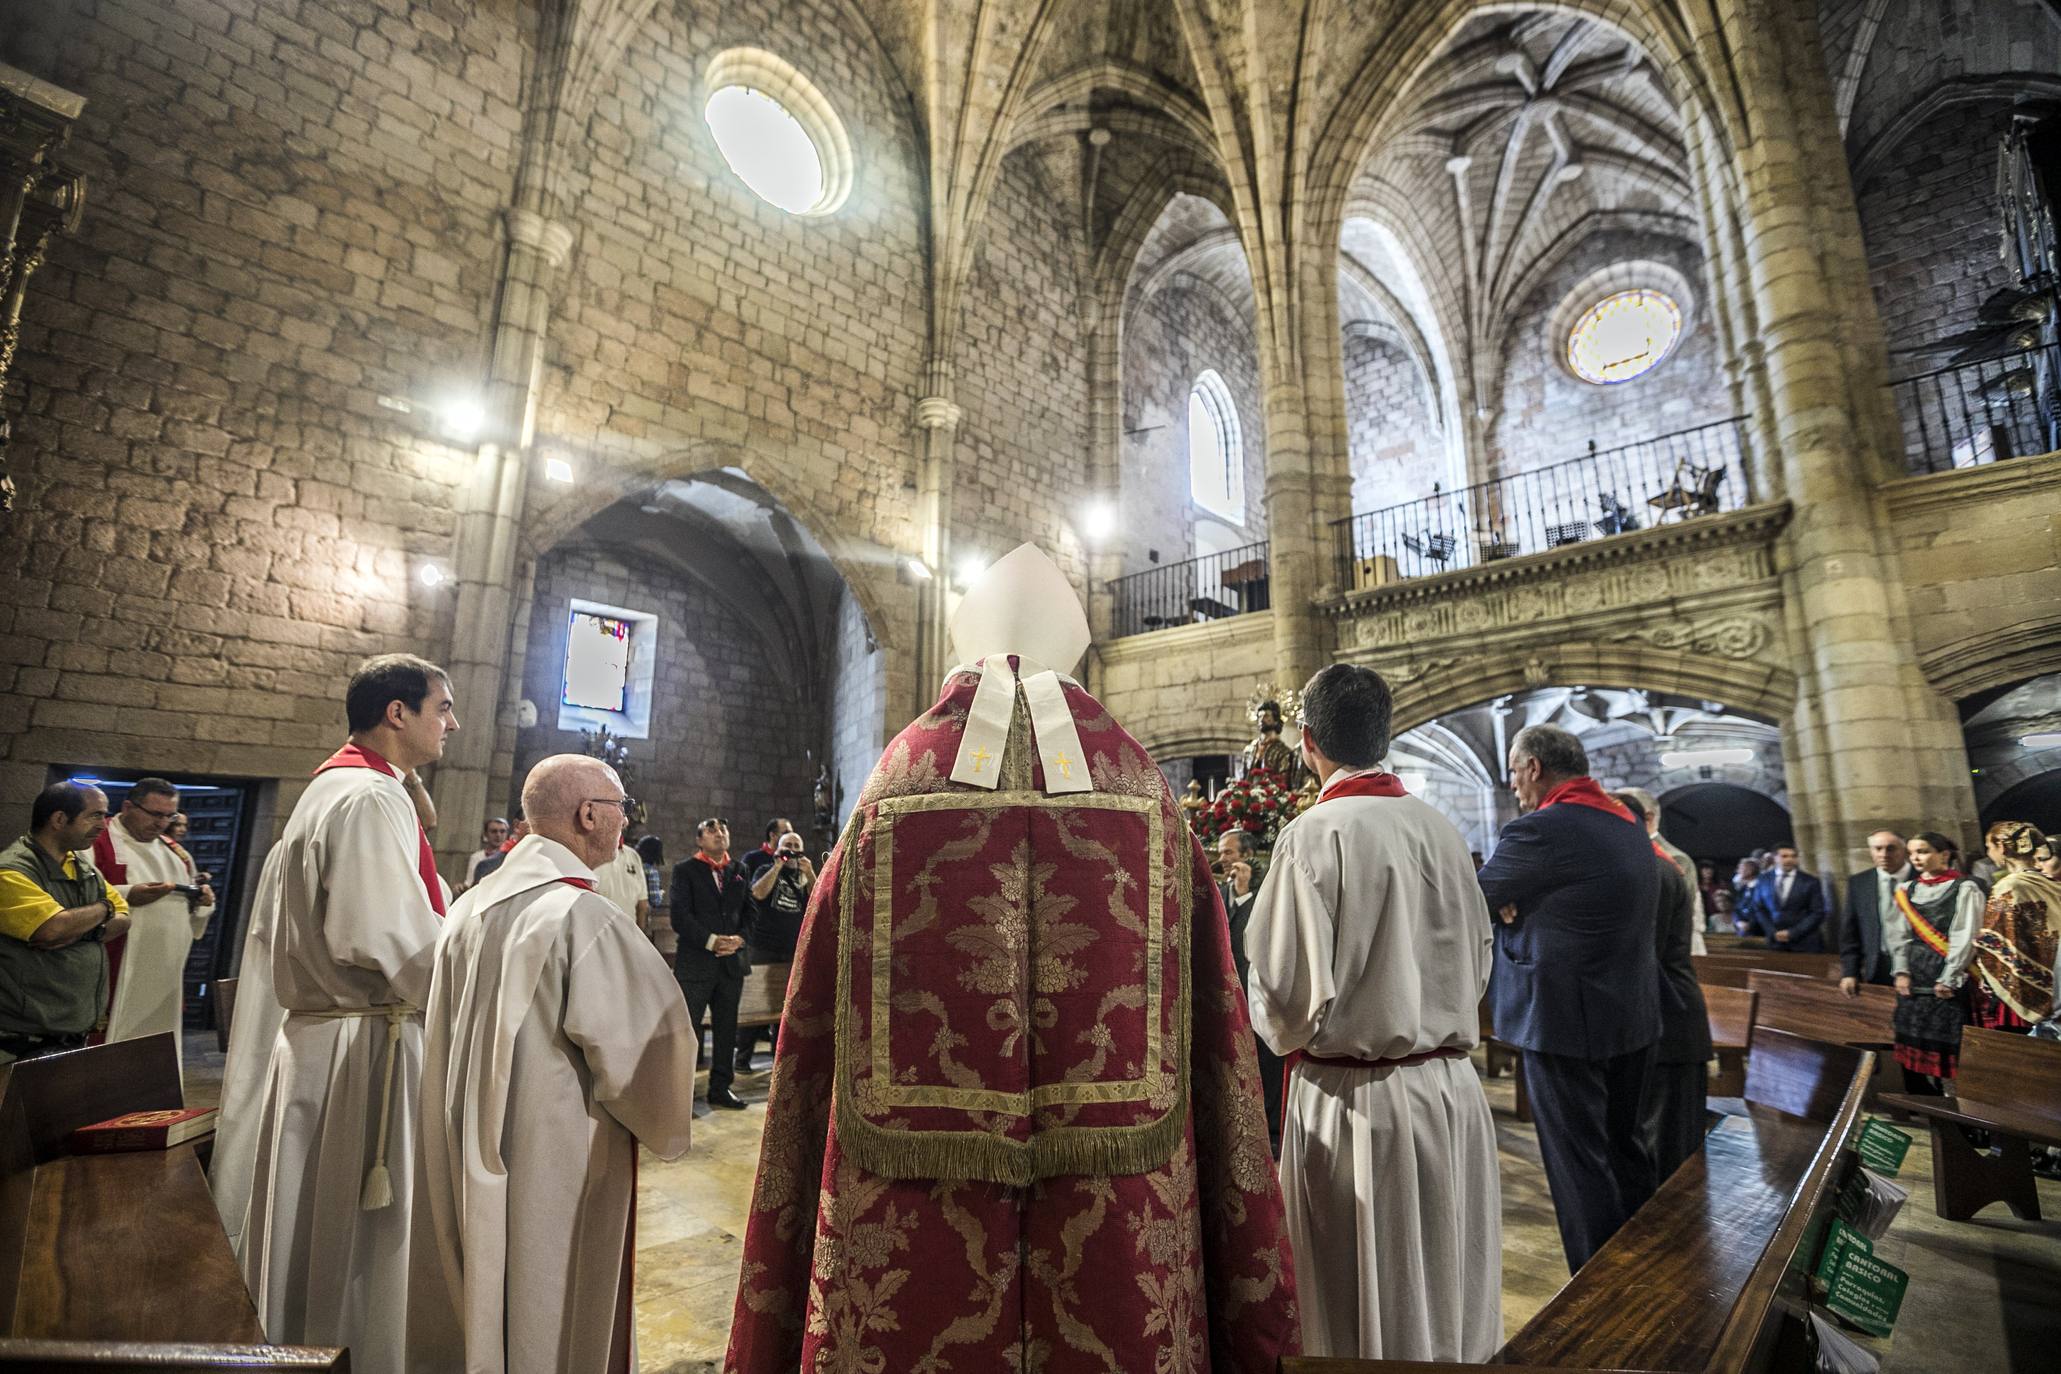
[
  {"x": 1981, "y": 412},
  {"x": 1674, "y": 477},
  {"x": 1211, "y": 587}
]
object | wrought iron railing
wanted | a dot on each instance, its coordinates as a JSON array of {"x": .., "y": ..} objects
[
  {"x": 1675, "y": 477},
  {"x": 1207, "y": 588},
  {"x": 1981, "y": 412}
]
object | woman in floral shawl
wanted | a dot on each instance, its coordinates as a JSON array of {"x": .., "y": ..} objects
[
  {"x": 1929, "y": 951},
  {"x": 2014, "y": 954}
]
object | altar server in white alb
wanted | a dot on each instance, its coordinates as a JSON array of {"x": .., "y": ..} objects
[
  {"x": 556, "y": 1041},
  {"x": 148, "y": 965},
  {"x": 312, "y": 1160},
  {"x": 1370, "y": 950}
]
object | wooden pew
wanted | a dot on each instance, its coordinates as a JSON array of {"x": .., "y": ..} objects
[
  {"x": 1709, "y": 1274},
  {"x": 765, "y": 993},
  {"x": 115, "y": 1262},
  {"x": 1731, "y": 1026},
  {"x": 1819, "y": 1010},
  {"x": 2010, "y": 1086},
  {"x": 1730, "y": 968}
]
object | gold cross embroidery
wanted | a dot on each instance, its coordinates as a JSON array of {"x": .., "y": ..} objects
[
  {"x": 980, "y": 760},
  {"x": 1065, "y": 764}
]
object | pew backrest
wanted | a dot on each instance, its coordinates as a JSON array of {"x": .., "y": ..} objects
[
  {"x": 2009, "y": 1078},
  {"x": 1730, "y": 968},
  {"x": 1799, "y": 1075},
  {"x": 165, "y": 1357},
  {"x": 1819, "y": 1010},
  {"x": 764, "y": 995},
  {"x": 1730, "y": 1011},
  {"x": 62, "y": 1092}
]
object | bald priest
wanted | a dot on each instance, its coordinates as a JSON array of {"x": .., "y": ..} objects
[{"x": 1015, "y": 1119}]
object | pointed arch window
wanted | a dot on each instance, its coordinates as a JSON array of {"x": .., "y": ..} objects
[{"x": 1216, "y": 453}]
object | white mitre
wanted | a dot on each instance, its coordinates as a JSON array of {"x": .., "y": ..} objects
[{"x": 1022, "y": 605}]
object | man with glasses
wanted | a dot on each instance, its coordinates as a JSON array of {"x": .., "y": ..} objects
[
  {"x": 620, "y": 876},
  {"x": 168, "y": 911},
  {"x": 55, "y": 911},
  {"x": 712, "y": 915}
]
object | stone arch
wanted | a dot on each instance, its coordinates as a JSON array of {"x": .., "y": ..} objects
[
  {"x": 1979, "y": 663},
  {"x": 1743, "y": 686},
  {"x": 1187, "y": 743},
  {"x": 1738, "y": 819}
]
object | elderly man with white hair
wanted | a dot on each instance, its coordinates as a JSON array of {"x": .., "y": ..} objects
[
  {"x": 555, "y": 1042},
  {"x": 1649, "y": 809}
]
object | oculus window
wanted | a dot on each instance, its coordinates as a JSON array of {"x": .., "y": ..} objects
[
  {"x": 1623, "y": 336},
  {"x": 777, "y": 132},
  {"x": 610, "y": 662},
  {"x": 1216, "y": 454}
]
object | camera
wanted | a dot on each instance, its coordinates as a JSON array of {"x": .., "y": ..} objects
[
  {"x": 788, "y": 856},
  {"x": 188, "y": 891}
]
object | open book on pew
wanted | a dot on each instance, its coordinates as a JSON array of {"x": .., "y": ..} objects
[{"x": 156, "y": 1130}]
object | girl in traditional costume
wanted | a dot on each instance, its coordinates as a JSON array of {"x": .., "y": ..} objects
[
  {"x": 1929, "y": 951},
  {"x": 2014, "y": 953}
]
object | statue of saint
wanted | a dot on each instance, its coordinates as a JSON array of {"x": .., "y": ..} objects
[{"x": 1267, "y": 749}]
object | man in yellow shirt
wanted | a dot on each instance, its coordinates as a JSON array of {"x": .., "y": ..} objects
[{"x": 55, "y": 913}]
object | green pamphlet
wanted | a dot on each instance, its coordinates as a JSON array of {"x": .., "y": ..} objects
[
  {"x": 1860, "y": 1289},
  {"x": 1883, "y": 1147}
]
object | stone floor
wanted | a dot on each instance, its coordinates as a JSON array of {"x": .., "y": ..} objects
[{"x": 1982, "y": 1293}]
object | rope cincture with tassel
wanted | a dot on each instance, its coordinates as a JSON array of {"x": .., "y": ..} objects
[{"x": 379, "y": 1183}]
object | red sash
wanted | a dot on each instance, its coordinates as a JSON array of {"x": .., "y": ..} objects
[
  {"x": 357, "y": 756},
  {"x": 1922, "y": 928},
  {"x": 1587, "y": 792},
  {"x": 1364, "y": 785},
  {"x": 114, "y": 870}
]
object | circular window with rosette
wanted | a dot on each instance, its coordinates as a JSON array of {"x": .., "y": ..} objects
[
  {"x": 1624, "y": 336},
  {"x": 777, "y": 132}
]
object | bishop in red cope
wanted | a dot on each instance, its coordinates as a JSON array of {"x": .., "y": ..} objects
[{"x": 1015, "y": 1119}]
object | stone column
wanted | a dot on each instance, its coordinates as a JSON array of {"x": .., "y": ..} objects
[
  {"x": 937, "y": 416},
  {"x": 1866, "y": 743},
  {"x": 490, "y": 523},
  {"x": 38, "y": 197}
]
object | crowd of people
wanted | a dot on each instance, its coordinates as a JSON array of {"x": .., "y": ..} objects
[{"x": 414, "y": 1077}]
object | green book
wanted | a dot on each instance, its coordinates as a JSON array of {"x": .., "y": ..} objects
[
  {"x": 1882, "y": 1147},
  {"x": 1867, "y": 1292}
]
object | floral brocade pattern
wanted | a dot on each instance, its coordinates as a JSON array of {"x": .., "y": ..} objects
[{"x": 1035, "y": 948}]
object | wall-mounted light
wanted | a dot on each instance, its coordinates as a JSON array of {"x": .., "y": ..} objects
[
  {"x": 2045, "y": 739},
  {"x": 1098, "y": 521},
  {"x": 558, "y": 470},
  {"x": 461, "y": 418},
  {"x": 971, "y": 566},
  {"x": 1699, "y": 758},
  {"x": 431, "y": 575},
  {"x": 917, "y": 569}
]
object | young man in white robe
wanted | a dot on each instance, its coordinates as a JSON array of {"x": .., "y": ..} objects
[
  {"x": 148, "y": 966},
  {"x": 312, "y": 1159},
  {"x": 555, "y": 1043},
  {"x": 1370, "y": 949}
]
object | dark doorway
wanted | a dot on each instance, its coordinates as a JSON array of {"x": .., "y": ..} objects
[
  {"x": 1721, "y": 821},
  {"x": 2037, "y": 800},
  {"x": 219, "y": 813}
]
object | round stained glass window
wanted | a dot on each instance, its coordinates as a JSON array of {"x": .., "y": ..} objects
[
  {"x": 767, "y": 147},
  {"x": 1622, "y": 336}
]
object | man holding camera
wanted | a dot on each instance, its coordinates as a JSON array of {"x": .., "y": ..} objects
[
  {"x": 55, "y": 912},
  {"x": 712, "y": 918},
  {"x": 168, "y": 911},
  {"x": 781, "y": 895}
]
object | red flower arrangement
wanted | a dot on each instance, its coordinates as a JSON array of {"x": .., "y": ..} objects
[{"x": 1259, "y": 803}]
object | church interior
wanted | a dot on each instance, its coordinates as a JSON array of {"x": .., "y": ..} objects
[{"x": 1685, "y": 374}]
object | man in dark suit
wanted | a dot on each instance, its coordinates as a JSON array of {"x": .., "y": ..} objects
[
  {"x": 1789, "y": 906},
  {"x": 1239, "y": 888},
  {"x": 1575, "y": 885},
  {"x": 711, "y": 913},
  {"x": 1863, "y": 953}
]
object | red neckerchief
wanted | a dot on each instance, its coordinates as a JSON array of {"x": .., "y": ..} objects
[
  {"x": 584, "y": 884},
  {"x": 1363, "y": 785},
  {"x": 717, "y": 868},
  {"x": 358, "y": 756},
  {"x": 1935, "y": 879},
  {"x": 1586, "y": 792},
  {"x": 766, "y": 849},
  {"x": 511, "y": 842}
]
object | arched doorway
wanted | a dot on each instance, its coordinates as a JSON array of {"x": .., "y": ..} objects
[
  {"x": 1721, "y": 822},
  {"x": 2013, "y": 735}
]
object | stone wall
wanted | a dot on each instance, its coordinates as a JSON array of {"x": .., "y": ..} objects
[
  {"x": 728, "y": 736},
  {"x": 1168, "y": 341},
  {"x": 1544, "y": 414},
  {"x": 1398, "y": 447},
  {"x": 858, "y": 724},
  {"x": 1181, "y": 692}
]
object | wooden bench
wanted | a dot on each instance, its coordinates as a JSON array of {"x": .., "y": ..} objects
[
  {"x": 1730, "y": 1011},
  {"x": 2010, "y": 1086},
  {"x": 1709, "y": 1275},
  {"x": 1732, "y": 968},
  {"x": 116, "y": 1262},
  {"x": 1817, "y": 1009},
  {"x": 765, "y": 994}
]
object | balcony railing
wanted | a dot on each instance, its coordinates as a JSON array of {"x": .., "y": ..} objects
[
  {"x": 1675, "y": 477},
  {"x": 1197, "y": 589},
  {"x": 1982, "y": 412}
]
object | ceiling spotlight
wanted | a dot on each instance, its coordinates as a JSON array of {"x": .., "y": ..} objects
[
  {"x": 462, "y": 418},
  {"x": 431, "y": 575},
  {"x": 917, "y": 569},
  {"x": 1099, "y": 520},
  {"x": 558, "y": 470},
  {"x": 2045, "y": 739}
]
